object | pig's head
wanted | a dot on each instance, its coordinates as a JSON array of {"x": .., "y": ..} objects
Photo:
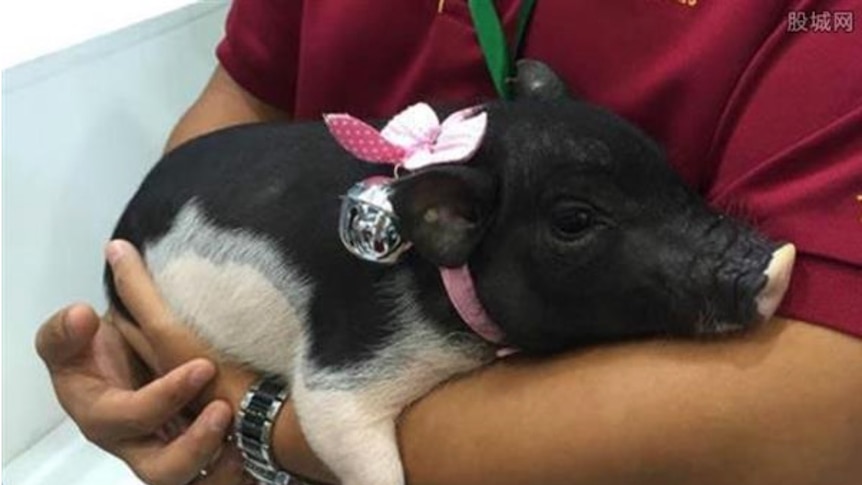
[{"x": 577, "y": 231}]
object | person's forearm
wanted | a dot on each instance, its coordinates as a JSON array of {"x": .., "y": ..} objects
[
  {"x": 222, "y": 103},
  {"x": 779, "y": 406}
]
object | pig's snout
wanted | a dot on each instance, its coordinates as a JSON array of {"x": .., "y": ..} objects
[{"x": 777, "y": 279}]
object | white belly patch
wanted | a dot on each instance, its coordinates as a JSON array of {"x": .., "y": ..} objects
[{"x": 233, "y": 287}]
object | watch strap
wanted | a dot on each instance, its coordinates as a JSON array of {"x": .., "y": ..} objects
[{"x": 253, "y": 428}]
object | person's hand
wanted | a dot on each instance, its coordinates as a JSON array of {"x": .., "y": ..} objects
[
  {"x": 95, "y": 375},
  {"x": 158, "y": 337},
  {"x": 164, "y": 344}
]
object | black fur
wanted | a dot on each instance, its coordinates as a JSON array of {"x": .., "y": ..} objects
[
  {"x": 283, "y": 181},
  {"x": 575, "y": 228}
]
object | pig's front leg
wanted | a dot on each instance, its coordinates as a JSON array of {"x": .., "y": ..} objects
[{"x": 352, "y": 431}]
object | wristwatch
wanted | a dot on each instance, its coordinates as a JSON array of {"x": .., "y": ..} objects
[{"x": 253, "y": 429}]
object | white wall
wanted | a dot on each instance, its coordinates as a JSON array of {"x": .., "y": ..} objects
[
  {"x": 34, "y": 28},
  {"x": 80, "y": 129}
]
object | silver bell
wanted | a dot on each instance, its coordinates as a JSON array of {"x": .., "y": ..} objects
[{"x": 368, "y": 226}]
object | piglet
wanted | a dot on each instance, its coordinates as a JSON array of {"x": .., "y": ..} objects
[{"x": 556, "y": 224}]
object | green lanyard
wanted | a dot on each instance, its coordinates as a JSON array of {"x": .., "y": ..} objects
[{"x": 492, "y": 40}]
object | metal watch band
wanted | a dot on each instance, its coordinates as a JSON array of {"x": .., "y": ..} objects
[{"x": 253, "y": 428}]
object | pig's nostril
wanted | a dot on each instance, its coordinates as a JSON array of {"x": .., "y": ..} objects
[{"x": 778, "y": 278}]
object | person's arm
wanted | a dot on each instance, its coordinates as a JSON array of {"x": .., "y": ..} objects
[
  {"x": 780, "y": 405},
  {"x": 222, "y": 103}
]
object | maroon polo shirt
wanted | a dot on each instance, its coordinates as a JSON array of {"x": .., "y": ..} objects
[{"x": 758, "y": 103}]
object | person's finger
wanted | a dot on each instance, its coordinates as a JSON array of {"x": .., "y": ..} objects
[
  {"x": 135, "y": 286},
  {"x": 120, "y": 414},
  {"x": 182, "y": 460},
  {"x": 135, "y": 338},
  {"x": 66, "y": 335},
  {"x": 171, "y": 342}
]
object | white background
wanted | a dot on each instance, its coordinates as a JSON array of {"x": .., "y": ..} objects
[
  {"x": 81, "y": 124},
  {"x": 33, "y": 28}
]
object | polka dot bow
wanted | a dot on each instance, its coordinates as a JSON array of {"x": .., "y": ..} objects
[{"x": 414, "y": 138}]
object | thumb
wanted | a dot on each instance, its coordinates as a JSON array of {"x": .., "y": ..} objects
[
  {"x": 66, "y": 335},
  {"x": 136, "y": 288}
]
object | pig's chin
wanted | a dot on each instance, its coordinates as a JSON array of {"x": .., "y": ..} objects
[
  {"x": 726, "y": 317},
  {"x": 719, "y": 328},
  {"x": 739, "y": 314}
]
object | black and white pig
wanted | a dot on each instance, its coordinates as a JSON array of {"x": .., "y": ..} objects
[{"x": 575, "y": 229}]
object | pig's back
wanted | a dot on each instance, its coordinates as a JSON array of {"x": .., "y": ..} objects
[{"x": 223, "y": 223}]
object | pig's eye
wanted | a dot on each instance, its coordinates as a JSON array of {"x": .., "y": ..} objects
[{"x": 571, "y": 220}]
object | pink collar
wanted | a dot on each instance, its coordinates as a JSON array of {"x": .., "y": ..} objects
[{"x": 462, "y": 293}]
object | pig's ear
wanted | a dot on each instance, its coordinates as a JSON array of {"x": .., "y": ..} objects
[
  {"x": 535, "y": 80},
  {"x": 444, "y": 211}
]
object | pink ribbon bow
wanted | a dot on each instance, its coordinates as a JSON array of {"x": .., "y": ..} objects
[{"x": 414, "y": 138}]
